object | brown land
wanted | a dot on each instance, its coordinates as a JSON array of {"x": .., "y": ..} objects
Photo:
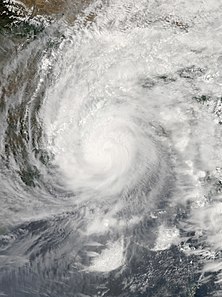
[
  {"x": 46, "y": 6},
  {"x": 10, "y": 10}
]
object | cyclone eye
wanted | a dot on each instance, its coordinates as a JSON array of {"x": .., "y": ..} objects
[{"x": 105, "y": 147}]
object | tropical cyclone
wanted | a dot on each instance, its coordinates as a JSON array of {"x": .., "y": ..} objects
[{"x": 110, "y": 162}]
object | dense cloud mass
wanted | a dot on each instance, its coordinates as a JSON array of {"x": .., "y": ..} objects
[{"x": 110, "y": 172}]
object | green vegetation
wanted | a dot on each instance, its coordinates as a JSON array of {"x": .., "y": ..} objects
[
  {"x": 202, "y": 98},
  {"x": 18, "y": 21}
]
